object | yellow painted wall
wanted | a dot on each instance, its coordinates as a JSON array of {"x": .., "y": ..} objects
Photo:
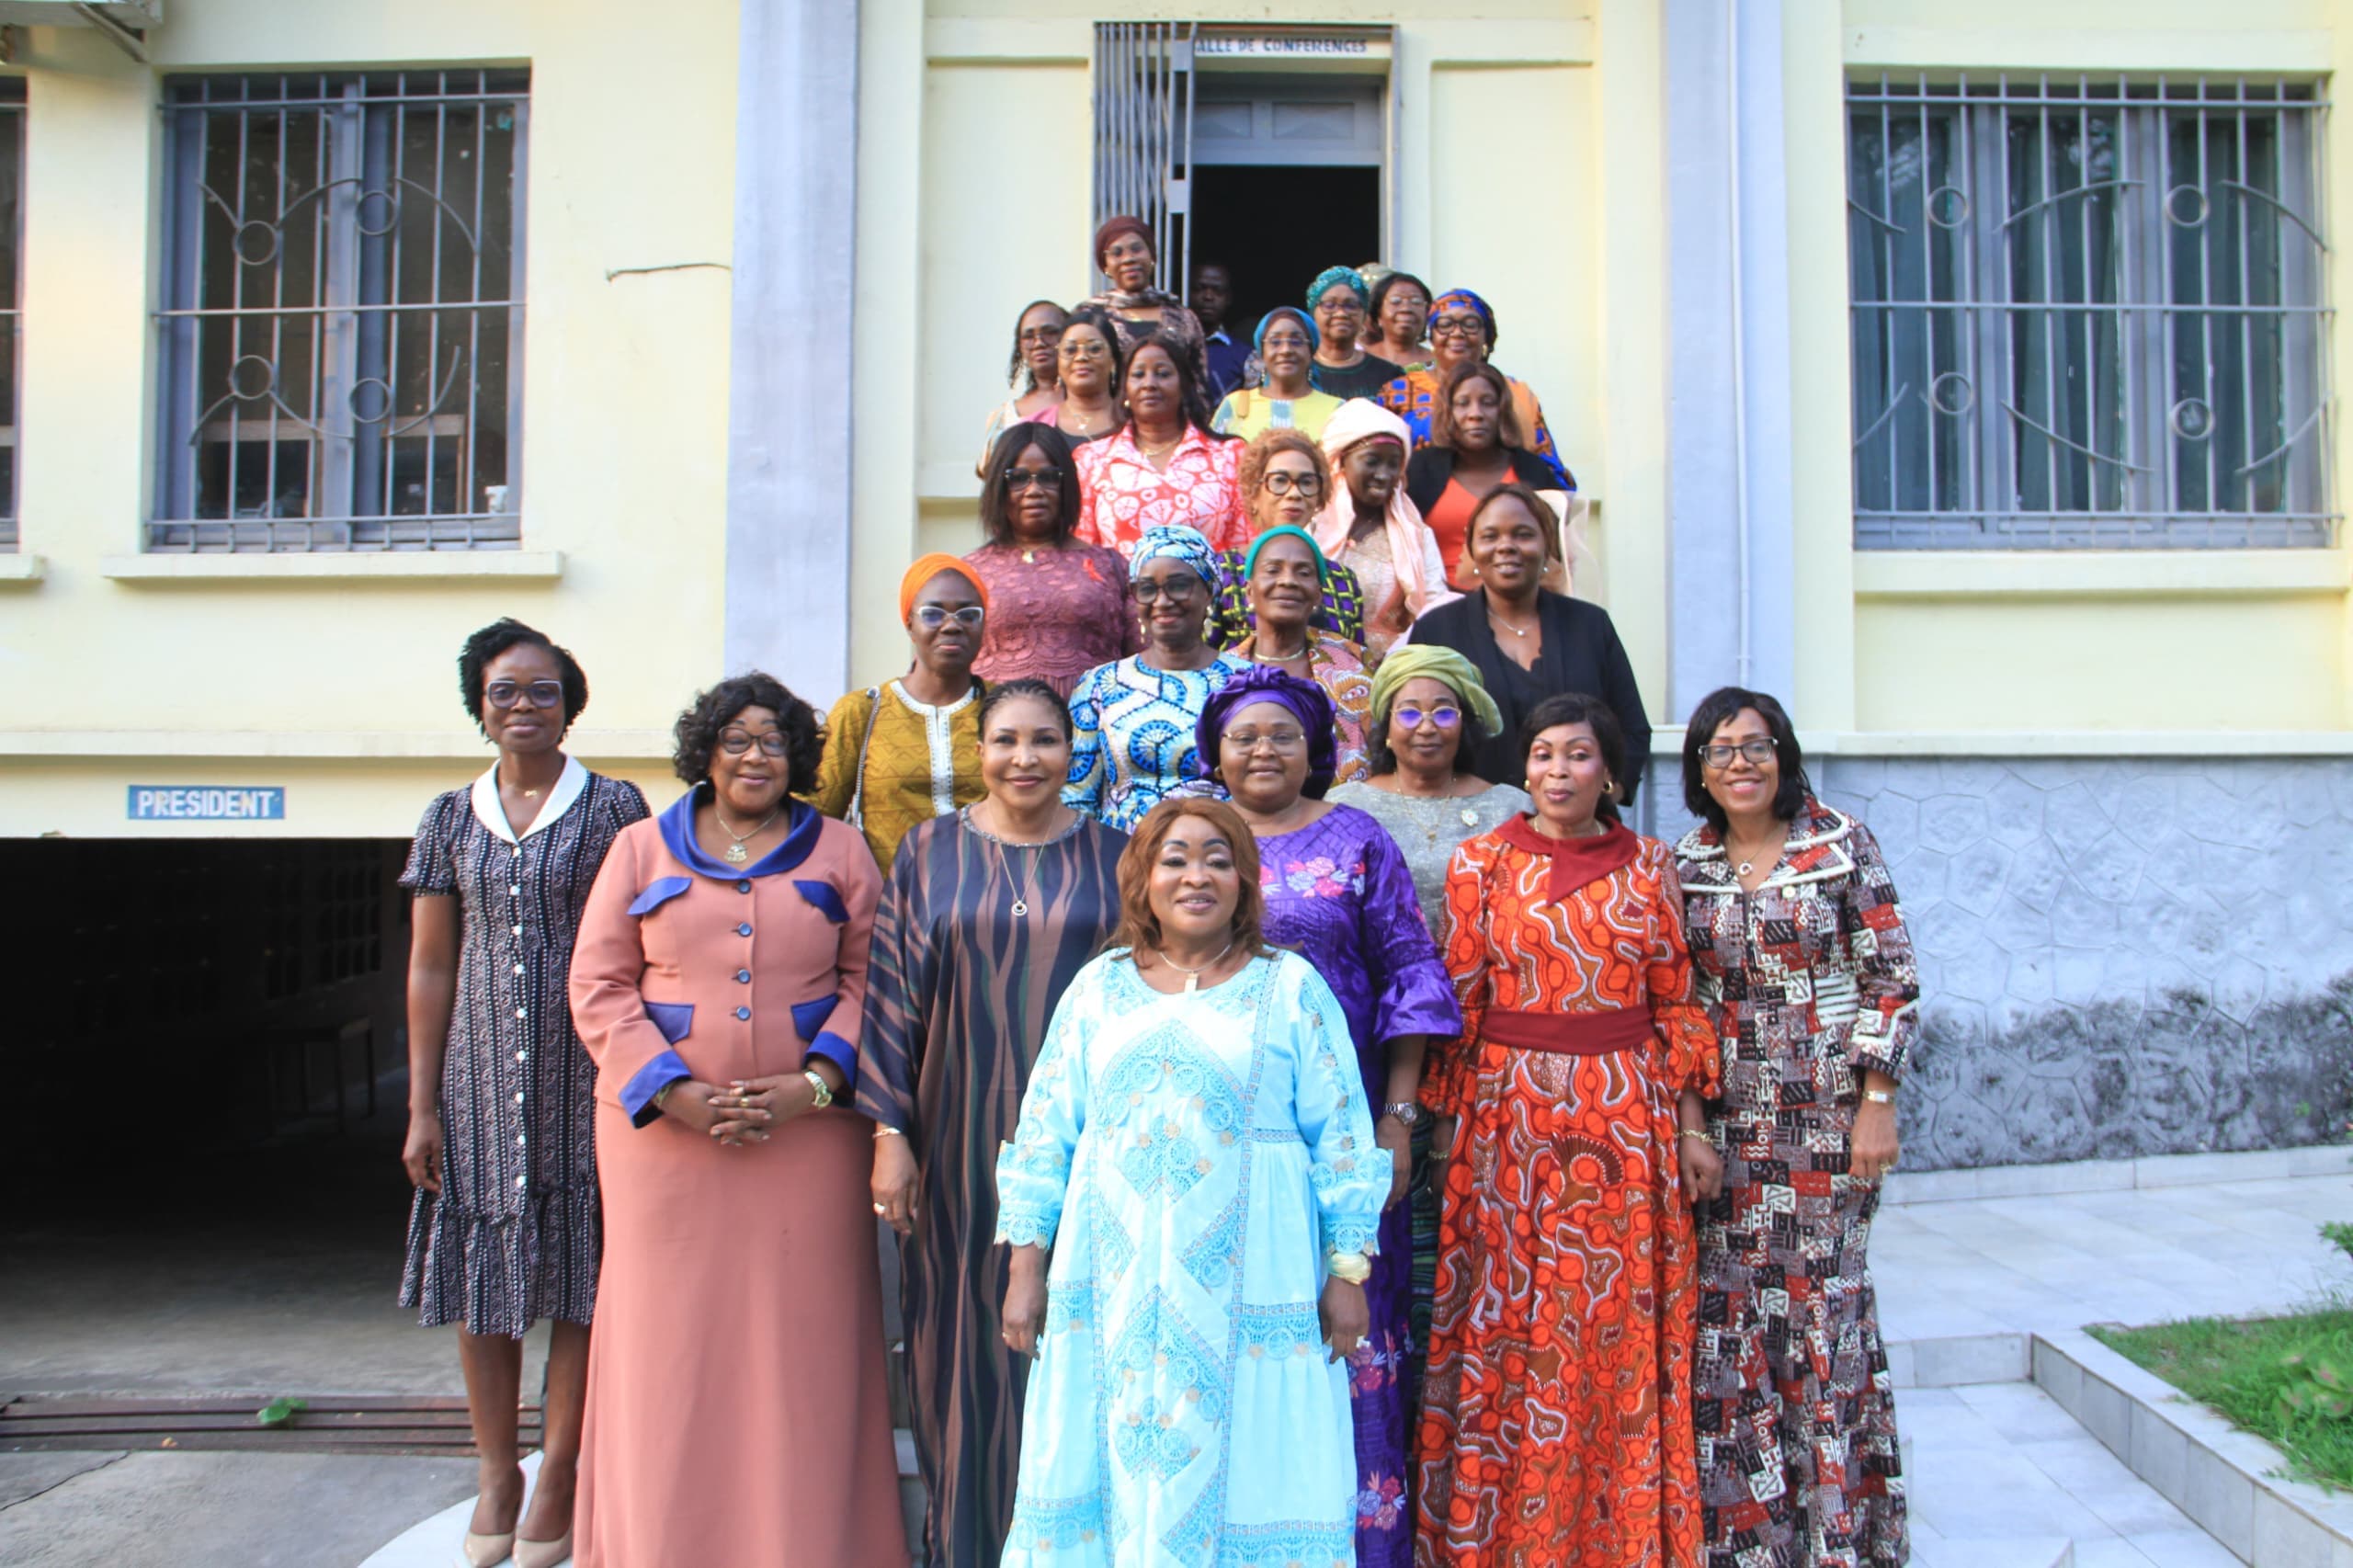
[
  {"x": 632, "y": 161},
  {"x": 2148, "y": 651}
]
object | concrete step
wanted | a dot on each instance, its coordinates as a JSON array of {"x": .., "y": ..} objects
[{"x": 1993, "y": 1551}]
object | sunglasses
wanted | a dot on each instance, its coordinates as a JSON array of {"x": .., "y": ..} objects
[
  {"x": 931, "y": 618},
  {"x": 1043, "y": 478},
  {"x": 1444, "y": 718},
  {"x": 537, "y": 694}
]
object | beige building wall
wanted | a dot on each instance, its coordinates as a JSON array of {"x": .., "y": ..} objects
[{"x": 334, "y": 675}]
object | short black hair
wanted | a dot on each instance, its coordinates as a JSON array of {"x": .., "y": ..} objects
[
  {"x": 996, "y": 517},
  {"x": 1013, "y": 365},
  {"x": 495, "y": 639},
  {"x": 1716, "y": 709},
  {"x": 1576, "y": 708},
  {"x": 1382, "y": 760},
  {"x": 1024, "y": 686},
  {"x": 1389, "y": 280},
  {"x": 696, "y": 735}
]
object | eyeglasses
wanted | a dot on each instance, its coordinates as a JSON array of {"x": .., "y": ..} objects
[
  {"x": 1757, "y": 753},
  {"x": 1040, "y": 334},
  {"x": 1086, "y": 347},
  {"x": 1043, "y": 478},
  {"x": 1457, "y": 326},
  {"x": 931, "y": 618},
  {"x": 1283, "y": 483},
  {"x": 1444, "y": 718},
  {"x": 539, "y": 694},
  {"x": 736, "y": 742},
  {"x": 1147, "y": 590},
  {"x": 1251, "y": 740},
  {"x": 1345, "y": 304},
  {"x": 1294, "y": 341}
]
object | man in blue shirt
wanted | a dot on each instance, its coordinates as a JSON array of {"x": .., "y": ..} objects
[{"x": 1213, "y": 295}]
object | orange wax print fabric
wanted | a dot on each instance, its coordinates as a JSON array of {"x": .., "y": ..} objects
[{"x": 1556, "y": 1428}]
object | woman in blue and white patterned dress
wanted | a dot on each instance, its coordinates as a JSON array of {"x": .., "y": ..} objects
[{"x": 1132, "y": 719}]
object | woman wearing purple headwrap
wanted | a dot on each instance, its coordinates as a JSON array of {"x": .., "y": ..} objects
[{"x": 1337, "y": 892}]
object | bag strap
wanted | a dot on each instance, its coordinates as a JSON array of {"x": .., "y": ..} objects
[{"x": 855, "y": 815}]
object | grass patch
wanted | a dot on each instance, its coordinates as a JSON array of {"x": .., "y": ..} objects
[{"x": 2287, "y": 1380}]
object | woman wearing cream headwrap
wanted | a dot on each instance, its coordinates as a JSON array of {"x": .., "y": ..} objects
[
  {"x": 1370, "y": 527},
  {"x": 910, "y": 749}
]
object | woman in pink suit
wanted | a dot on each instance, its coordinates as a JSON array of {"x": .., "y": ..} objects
[{"x": 736, "y": 1409}]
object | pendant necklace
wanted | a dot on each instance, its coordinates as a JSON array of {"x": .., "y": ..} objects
[
  {"x": 737, "y": 854},
  {"x": 1193, "y": 976}
]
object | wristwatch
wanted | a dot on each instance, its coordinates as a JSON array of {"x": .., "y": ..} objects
[
  {"x": 1880, "y": 1096},
  {"x": 1405, "y": 1112},
  {"x": 817, "y": 1082}
]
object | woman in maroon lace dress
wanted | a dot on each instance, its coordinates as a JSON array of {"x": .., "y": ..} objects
[{"x": 1057, "y": 607}]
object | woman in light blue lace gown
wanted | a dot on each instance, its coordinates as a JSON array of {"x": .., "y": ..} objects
[{"x": 1195, "y": 1153}]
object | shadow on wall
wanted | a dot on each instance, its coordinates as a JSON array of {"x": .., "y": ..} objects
[
  {"x": 2118, "y": 956},
  {"x": 2112, "y": 1081}
]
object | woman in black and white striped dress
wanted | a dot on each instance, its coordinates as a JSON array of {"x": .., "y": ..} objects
[{"x": 504, "y": 1229}]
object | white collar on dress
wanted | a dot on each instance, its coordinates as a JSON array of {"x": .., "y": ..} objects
[
  {"x": 492, "y": 814},
  {"x": 940, "y": 709}
]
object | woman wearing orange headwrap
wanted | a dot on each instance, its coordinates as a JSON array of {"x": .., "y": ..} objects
[
  {"x": 1370, "y": 526},
  {"x": 909, "y": 749}
]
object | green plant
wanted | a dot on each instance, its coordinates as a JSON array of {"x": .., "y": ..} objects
[
  {"x": 2341, "y": 1233},
  {"x": 2316, "y": 1388}
]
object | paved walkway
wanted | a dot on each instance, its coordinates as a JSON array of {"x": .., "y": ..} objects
[{"x": 2001, "y": 1477}]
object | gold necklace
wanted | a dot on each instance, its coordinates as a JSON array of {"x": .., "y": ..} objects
[
  {"x": 1193, "y": 976},
  {"x": 737, "y": 854}
]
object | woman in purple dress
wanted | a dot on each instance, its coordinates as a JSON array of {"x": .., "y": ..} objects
[{"x": 1338, "y": 892}]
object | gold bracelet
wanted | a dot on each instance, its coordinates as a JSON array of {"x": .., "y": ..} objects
[
  {"x": 1352, "y": 1267},
  {"x": 824, "y": 1091},
  {"x": 663, "y": 1092},
  {"x": 1698, "y": 1132}
]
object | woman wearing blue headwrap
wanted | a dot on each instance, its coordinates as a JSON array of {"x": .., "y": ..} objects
[
  {"x": 1287, "y": 401},
  {"x": 1132, "y": 719},
  {"x": 1285, "y": 574},
  {"x": 1463, "y": 332},
  {"x": 1343, "y": 305}
]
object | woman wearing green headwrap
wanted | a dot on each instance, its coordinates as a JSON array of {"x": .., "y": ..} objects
[
  {"x": 1429, "y": 708},
  {"x": 1428, "y": 705},
  {"x": 1286, "y": 575}
]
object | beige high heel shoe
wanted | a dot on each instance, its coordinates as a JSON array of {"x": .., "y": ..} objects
[
  {"x": 542, "y": 1553},
  {"x": 488, "y": 1551}
]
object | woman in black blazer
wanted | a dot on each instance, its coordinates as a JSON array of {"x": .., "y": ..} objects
[
  {"x": 1529, "y": 642},
  {"x": 1475, "y": 445}
]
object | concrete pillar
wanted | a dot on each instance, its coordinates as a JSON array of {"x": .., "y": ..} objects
[
  {"x": 1730, "y": 568},
  {"x": 787, "y": 454}
]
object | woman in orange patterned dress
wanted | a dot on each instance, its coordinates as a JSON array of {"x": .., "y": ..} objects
[{"x": 1556, "y": 1426}]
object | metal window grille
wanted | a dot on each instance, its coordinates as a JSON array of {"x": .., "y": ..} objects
[
  {"x": 342, "y": 330},
  {"x": 12, "y": 243},
  {"x": 1144, "y": 139},
  {"x": 2088, "y": 313}
]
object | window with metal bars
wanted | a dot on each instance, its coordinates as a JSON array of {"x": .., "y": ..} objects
[
  {"x": 12, "y": 243},
  {"x": 2088, "y": 313},
  {"x": 341, "y": 335}
]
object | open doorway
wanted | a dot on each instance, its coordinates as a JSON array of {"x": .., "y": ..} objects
[{"x": 1275, "y": 227}]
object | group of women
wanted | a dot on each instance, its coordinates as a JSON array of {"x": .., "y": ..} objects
[{"x": 1317, "y": 1130}]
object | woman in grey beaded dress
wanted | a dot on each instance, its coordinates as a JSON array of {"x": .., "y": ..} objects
[{"x": 1429, "y": 709}]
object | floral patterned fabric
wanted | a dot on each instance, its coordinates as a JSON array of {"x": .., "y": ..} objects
[
  {"x": 1121, "y": 494},
  {"x": 1189, "y": 1159},
  {"x": 1053, "y": 614},
  {"x": 1557, "y": 1427},
  {"x": 1339, "y": 893},
  {"x": 1809, "y": 980}
]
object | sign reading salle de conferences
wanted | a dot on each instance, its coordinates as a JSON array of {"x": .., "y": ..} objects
[
  {"x": 1290, "y": 46},
  {"x": 207, "y": 803}
]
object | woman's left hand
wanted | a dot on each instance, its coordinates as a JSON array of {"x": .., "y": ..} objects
[
  {"x": 1347, "y": 1317},
  {"x": 1875, "y": 1146},
  {"x": 1398, "y": 1139}
]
